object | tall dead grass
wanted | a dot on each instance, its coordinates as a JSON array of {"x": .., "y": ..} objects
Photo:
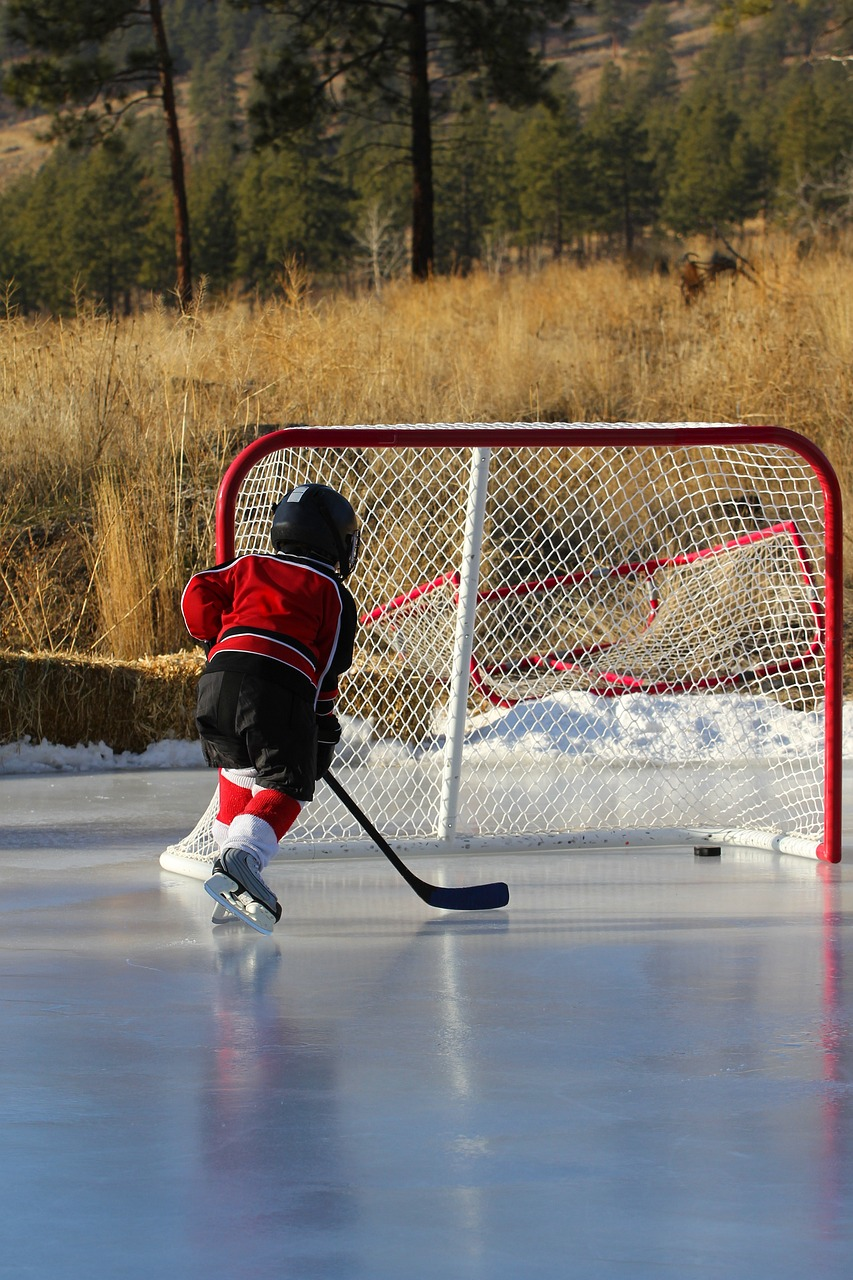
[{"x": 116, "y": 431}]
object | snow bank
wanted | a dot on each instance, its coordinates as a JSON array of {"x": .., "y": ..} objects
[
  {"x": 665, "y": 729},
  {"x": 44, "y": 757}
]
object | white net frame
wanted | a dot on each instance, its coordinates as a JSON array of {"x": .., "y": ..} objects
[{"x": 540, "y": 606}]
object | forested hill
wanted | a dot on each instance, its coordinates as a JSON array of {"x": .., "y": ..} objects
[{"x": 660, "y": 119}]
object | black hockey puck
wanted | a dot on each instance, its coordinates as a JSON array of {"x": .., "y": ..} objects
[{"x": 707, "y": 851}]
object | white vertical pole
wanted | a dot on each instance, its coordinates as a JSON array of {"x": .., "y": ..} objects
[{"x": 463, "y": 645}]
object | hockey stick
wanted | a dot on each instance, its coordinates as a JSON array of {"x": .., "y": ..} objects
[{"x": 478, "y": 897}]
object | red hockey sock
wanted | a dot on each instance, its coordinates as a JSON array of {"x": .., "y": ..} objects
[
  {"x": 276, "y": 808},
  {"x": 233, "y": 798}
]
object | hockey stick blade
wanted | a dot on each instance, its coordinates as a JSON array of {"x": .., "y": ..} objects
[{"x": 478, "y": 897}]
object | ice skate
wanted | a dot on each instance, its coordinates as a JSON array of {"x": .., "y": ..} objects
[{"x": 237, "y": 887}]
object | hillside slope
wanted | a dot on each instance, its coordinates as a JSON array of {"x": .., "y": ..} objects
[{"x": 583, "y": 53}]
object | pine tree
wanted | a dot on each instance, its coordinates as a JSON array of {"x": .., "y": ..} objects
[
  {"x": 213, "y": 201},
  {"x": 78, "y": 226},
  {"x": 621, "y": 170},
  {"x": 652, "y": 93},
  {"x": 651, "y": 49},
  {"x": 614, "y": 19},
  {"x": 702, "y": 189},
  {"x": 401, "y": 54},
  {"x": 291, "y": 205},
  {"x": 469, "y": 175},
  {"x": 89, "y": 64},
  {"x": 552, "y": 173},
  {"x": 214, "y": 67},
  {"x": 32, "y": 249},
  {"x": 815, "y": 130}
]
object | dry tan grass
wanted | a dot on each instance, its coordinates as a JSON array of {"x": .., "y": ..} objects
[{"x": 115, "y": 432}]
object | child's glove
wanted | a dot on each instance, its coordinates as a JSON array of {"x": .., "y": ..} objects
[
  {"x": 328, "y": 737},
  {"x": 325, "y": 755}
]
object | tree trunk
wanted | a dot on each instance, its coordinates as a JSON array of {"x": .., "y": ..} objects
[
  {"x": 423, "y": 234},
  {"x": 558, "y": 221},
  {"x": 184, "y": 281},
  {"x": 628, "y": 214}
]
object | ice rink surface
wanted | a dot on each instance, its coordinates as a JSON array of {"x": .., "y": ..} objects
[{"x": 643, "y": 1067}]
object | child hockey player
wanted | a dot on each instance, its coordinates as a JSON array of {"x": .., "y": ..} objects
[{"x": 278, "y": 629}]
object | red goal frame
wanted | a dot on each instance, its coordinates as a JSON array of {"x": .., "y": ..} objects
[{"x": 602, "y": 435}]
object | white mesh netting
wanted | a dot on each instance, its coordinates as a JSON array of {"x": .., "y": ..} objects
[
  {"x": 647, "y": 648},
  {"x": 745, "y": 607}
]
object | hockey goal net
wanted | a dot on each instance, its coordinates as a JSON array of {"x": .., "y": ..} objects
[{"x": 573, "y": 635}]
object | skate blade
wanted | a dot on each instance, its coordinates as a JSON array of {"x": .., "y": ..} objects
[
  {"x": 221, "y": 915},
  {"x": 224, "y": 891}
]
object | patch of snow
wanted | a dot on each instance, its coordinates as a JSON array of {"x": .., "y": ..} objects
[
  {"x": 666, "y": 729},
  {"x": 45, "y": 757}
]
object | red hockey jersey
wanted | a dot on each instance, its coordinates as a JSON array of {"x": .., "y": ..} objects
[{"x": 287, "y": 618}]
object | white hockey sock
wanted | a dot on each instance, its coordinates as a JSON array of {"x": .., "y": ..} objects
[
  {"x": 240, "y": 777},
  {"x": 253, "y": 834}
]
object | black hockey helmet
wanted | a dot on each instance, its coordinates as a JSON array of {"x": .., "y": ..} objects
[{"x": 320, "y": 520}]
